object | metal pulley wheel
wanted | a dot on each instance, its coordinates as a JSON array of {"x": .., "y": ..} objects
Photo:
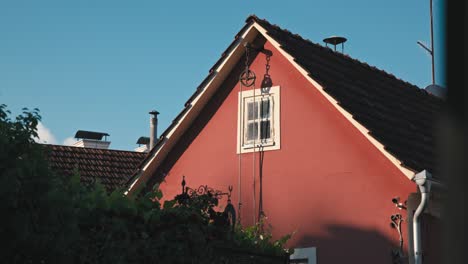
[{"x": 247, "y": 78}]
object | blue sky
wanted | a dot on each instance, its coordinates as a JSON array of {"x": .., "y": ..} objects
[{"x": 102, "y": 65}]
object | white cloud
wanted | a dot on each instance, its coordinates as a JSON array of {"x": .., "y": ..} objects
[
  {"x": 69, "y": 141},
  {"x": 44, "y": 135}
]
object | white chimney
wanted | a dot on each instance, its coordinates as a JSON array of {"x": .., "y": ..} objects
[
  {"x": 153, "y": 129},
  {"x": 89, "y": 139}
]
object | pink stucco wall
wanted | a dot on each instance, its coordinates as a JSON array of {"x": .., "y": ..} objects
[{"x": 327, "y": 183}]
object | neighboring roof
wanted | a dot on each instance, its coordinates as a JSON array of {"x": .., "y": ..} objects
[
  {"x": 399, "y": 115},
  {"x": 111, "y": 167}
]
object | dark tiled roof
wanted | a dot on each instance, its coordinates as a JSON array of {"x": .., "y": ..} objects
[
  {"x": 398, "y": 114},
  {"x": 112, "y": 167}
]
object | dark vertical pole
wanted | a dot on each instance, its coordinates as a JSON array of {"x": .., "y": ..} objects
[
  {"x": 432, "y": 44},
  {"x": 454, "y": 143},
  {"x": 183, "y": 184}
]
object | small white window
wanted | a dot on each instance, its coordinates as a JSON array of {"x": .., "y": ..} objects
[{"x": 258, "y": 120}]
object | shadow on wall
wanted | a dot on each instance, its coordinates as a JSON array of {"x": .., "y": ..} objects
[
  {"x": 345, "y": 244},
  {"x": 431, "y": 237}
]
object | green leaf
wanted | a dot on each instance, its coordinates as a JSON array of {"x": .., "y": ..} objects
[{"x": 169, "y": 204}]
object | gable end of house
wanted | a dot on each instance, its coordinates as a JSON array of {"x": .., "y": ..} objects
[{"x": 351, "y": 98}]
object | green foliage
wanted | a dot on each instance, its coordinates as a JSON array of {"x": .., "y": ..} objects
[
  {"x": 260, "y": 238},
  {"x": 48, "y": 218}
]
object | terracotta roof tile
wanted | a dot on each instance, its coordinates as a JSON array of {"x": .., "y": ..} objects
[{"x": 111, "y": 167}]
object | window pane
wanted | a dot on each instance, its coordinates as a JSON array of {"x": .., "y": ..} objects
[
  {"x": 251, "y": 112},
  {"x": 264, "y": 129},
  {"x": 265, "y": 109},
  {"x": 252, "y": 131}
]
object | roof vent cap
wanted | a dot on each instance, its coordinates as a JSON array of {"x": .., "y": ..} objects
[{"x": 335, "y": 40}]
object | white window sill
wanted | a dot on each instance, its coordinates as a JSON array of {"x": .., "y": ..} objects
[{"x": 259, "y": 147}]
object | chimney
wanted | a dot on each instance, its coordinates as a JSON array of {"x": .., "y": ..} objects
[
  {"x": 90, "y": 139},
  {"x": 153, "y": 129}
]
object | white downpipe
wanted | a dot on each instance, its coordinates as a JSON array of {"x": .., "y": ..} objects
[
  {"x": 417, "y": 229},
  {"x": 424, "y": 184}
]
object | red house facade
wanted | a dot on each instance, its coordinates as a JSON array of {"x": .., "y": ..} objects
[{"x": 320, "y": 144}]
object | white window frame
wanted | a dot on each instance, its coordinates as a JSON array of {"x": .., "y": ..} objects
[
  {"x": 309, "y": 253},
  {"x": 274, "y": 142}
]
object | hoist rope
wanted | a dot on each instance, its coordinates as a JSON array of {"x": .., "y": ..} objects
[
  {"x": 248, "y": 77},
  {"x": 253, "y": 153},
  {"x": 240, "y": 152}
]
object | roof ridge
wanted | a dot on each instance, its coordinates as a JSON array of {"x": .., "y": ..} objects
[
  {"x": 114, "y": 150},
  {"x": 255, "y": 18}
]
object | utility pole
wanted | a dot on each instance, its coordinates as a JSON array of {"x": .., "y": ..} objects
[
  {"x": 431, "y": 50},
  {"x": 432, "y": 44}
]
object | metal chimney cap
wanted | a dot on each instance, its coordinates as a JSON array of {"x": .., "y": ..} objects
[
  {"x": 154, "y": 112},
  {"x": 143, "y": 140},
  {"x": 335, "y": 40},
  {"x": 90, "y": 135}
]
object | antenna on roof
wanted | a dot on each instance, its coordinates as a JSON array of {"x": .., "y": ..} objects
[
  {"x": 430, "y": 50},
  {"x": 335, "y": 40}
]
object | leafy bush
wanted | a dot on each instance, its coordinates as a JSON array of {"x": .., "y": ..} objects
[{"x": 48, "y": 218}]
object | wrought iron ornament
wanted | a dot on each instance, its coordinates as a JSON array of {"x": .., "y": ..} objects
[
  {"x": 398, "y": 256},
  {"x": 229, "y": 213},
  {"x": 205, "y": 190}
]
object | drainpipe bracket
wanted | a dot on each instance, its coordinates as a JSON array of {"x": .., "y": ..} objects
[{"x": 422, "y": 179}]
